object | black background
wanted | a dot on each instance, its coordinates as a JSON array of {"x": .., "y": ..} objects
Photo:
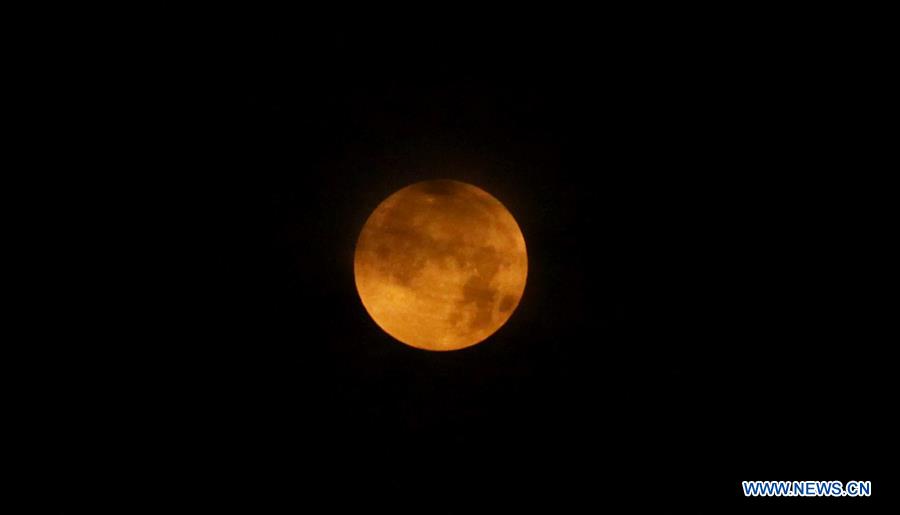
[{"x": 701, "y": 212}]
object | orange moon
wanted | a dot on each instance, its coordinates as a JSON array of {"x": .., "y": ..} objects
[{"x": 440, "y": 265}]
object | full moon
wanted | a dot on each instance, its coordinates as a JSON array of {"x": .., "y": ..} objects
[{"x": 440, "y": 265}]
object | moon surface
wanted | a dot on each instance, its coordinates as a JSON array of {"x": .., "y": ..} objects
[{"x": 440, "y": 265}]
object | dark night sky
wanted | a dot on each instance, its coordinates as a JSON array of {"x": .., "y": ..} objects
[{"x": 703, "y": 254}]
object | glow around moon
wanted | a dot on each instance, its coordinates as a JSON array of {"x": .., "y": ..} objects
[{"x": 440, "y": 265}]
